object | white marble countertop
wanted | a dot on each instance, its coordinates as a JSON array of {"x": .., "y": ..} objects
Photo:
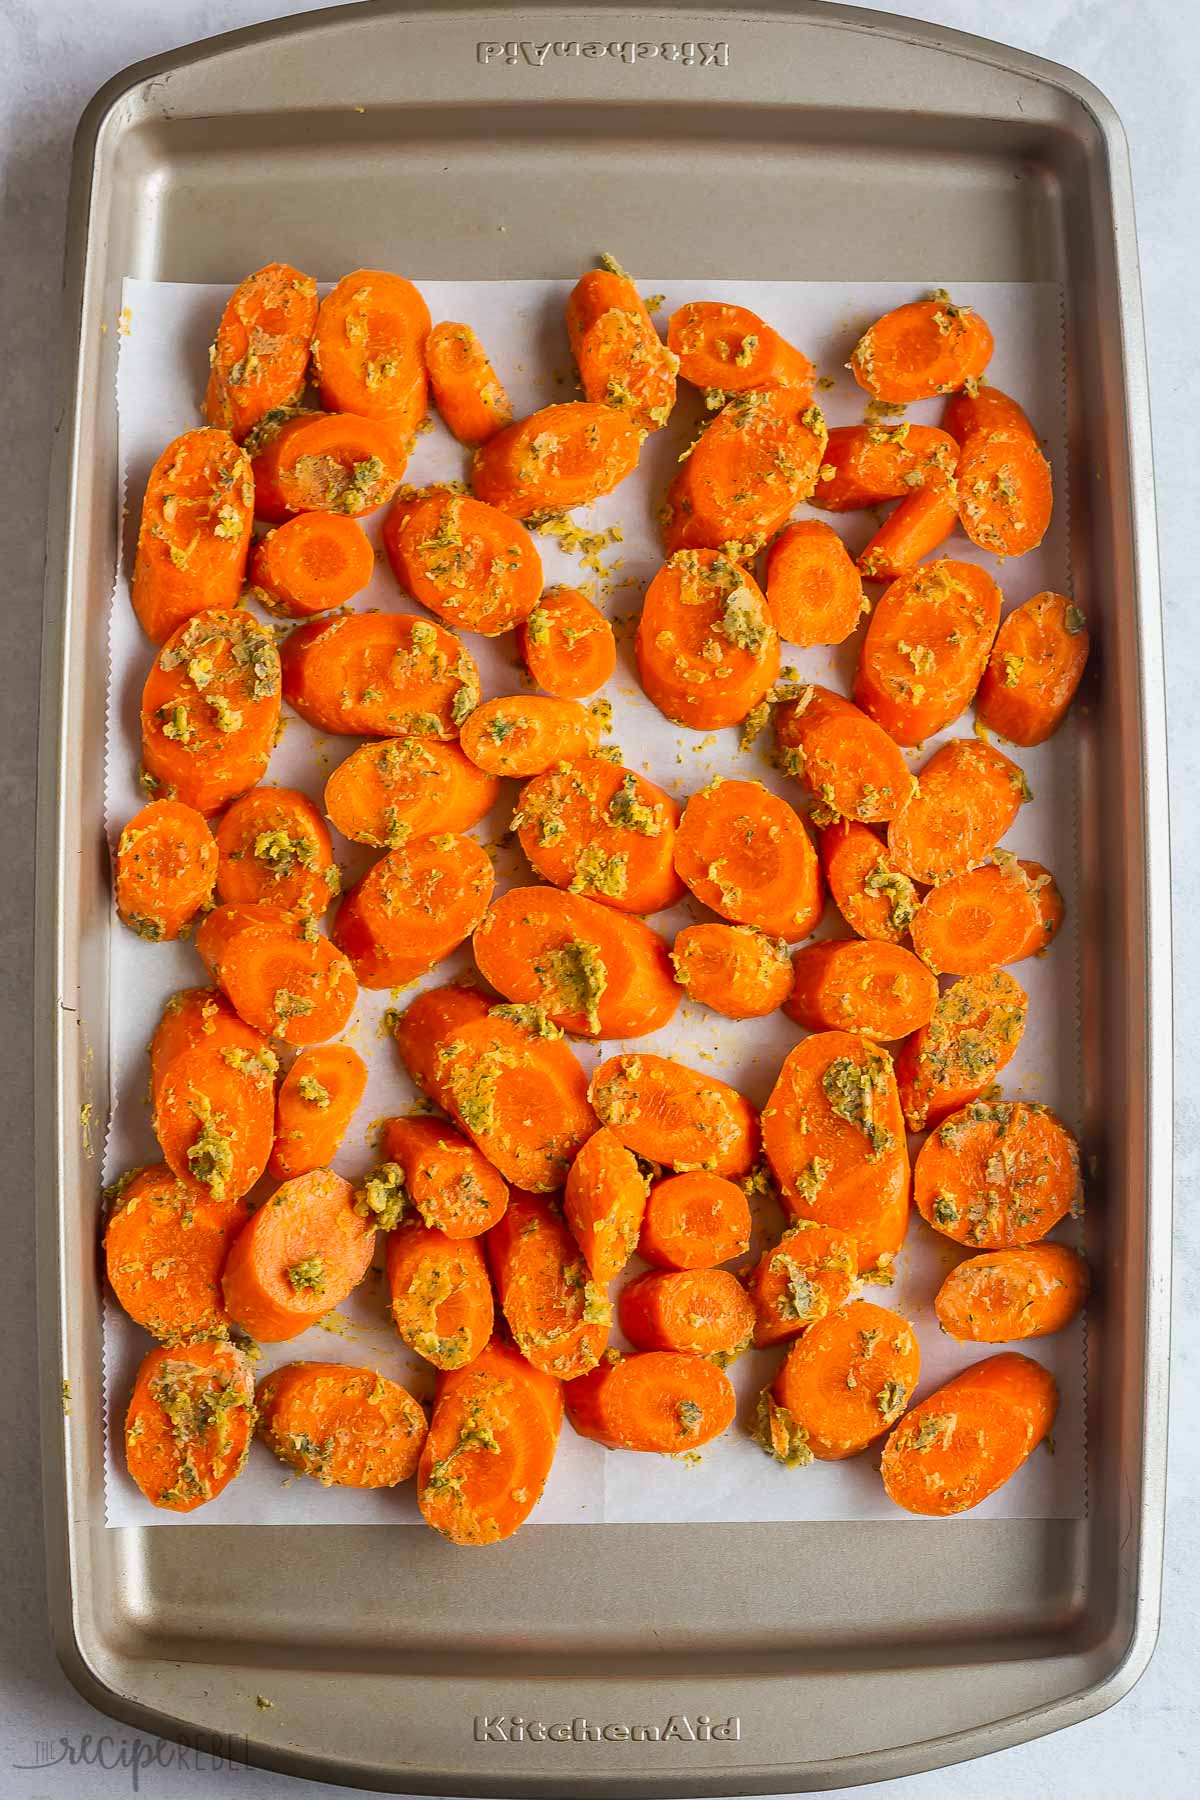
[{"x": 53, "y": 55}]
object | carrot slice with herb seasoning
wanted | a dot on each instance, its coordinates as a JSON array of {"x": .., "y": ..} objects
[
  {"x": 386, "y": 792},
  {"x": 879, "y": 990},
  {"x": 745, "y": 473},
  {"x": 280, "y": 974},
  {"x": 367, "y": 351},
  {"x": 745, "y": 853},
  {"x": 913, "y": 530},
  {"x": 972, "y": 1035},
  {"x": 165, "y": 1244},
  {"x": 656, "y": 1402},
  {"x": 984, "y": 409},
  {"x": 440, "y": 1293},
  {"x": 212, "y": 1091},
  {"x": 1005, "y": 492},
  {"x": 604, "y": 831},
  {"x": 864, "y": 465},
  {"x": 962, "y": 1443},
  {"x": 851, "y": 764},
  {"x": 473, "y": 566},
  {"x": 196, "y": 1017},
  {"x": 917, "y": 351},
  {"x": 926, "y": 648},
  {"x": 466, "y": 389},
  {"x": 1035, "y": 667},
  {"x": 316, "y": 1101},
  {"x": 814, "y": 592},
  {"x": 447, "y": 1180},
  {"x": 808, "y": 1274},
  {"x": 189, "y": 1422},
  {"x": 379, "y": 675},
  {"x": 311, "y": 564},
  {"x": 561, "y": 457},
  {"x": 967, "y": 796},
  {"x": 259, "y": 357},
  {"x": 840, "y": 1386},
  {"x": 194, "y": 535},
  {"x": 299, "y": 1256},
  {"x": 728, "y": 349},
  {"x": 998, "y": 1174},
  {"x": 210, "y": 708},
  {"x": 527, "y": 734},
  {"x": 604, "y": 1202},
  {"x": 621, "y": 359},
  {"x": 675, "y": 1115},
  {"x": 875, "y": 900},
  {"x": 1008, "y": 1295},
  {"x": 322, "y": 462},
  {"x": 275, "y": 847},
  {"x": 694, "y": 1221},
  {"x": 422, "y": 1028},
  {"x": 414, "y": 907},
  {"x": 697, "y": 1312},
  {"x": 707, "y": 650},
  {"x": 517, "y": 1091},
  {"x": 166, "y": 867},
  {"x": 998, "y": 914},
  {"x": 558, "y": 1315},
  {"x": 346, "y": 1427},
  {"x": 733, "y": 969},
  {"x": 567, "y": 646}
]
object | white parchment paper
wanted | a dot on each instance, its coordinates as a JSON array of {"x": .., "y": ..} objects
[{"x": 163, "y": 366}]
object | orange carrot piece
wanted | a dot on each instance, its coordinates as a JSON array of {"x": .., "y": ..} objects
[
  {"x": 833, "y": 1133},
  {"x": 733, "y": 969},
  {"x": 707, "y": 651},
  {"x": 302, "y": 1252},
  {"x": 697, "y": 1312},
  {"x": 986, "y": 410},
  {"x": 323, "y": 462},
  {"x": 422, "y": 1028},
  {"x": 729, "y": 350},
  {"x": 604, "y": 831},
  {"x": 275, "y": 847},
  {"x": 962, "y": 1443},
  {"x": 414, "y": 907},
  {"x": 346, "y": 1427},
  {"x": 194, "y": 534},
  {"x": 189, "y": 1422},
  {"x": 259, "y": 358},
  {"x": 1008, "y": 1295},
  {"x": 879, "y": 990},
  {"x": 840, "y": 1386},
  {"x": 926, "y": 648},
  {"x": 998, "y": 1174},
  {"x": 972, "y": 1035},
  {"x": 746, "y": 854},
  {"x": 622, "y": 362},
  {"x": 851, "y": 764},
  {"x": 281, "y": 976},
  {"x": 926, "y": 348},
  {"x": 195, "y": 1017},
  {"x": 164, "y": 1247},
  {"x": 165, "y": 870},
  {"x": 998, "y": 914},
  {"x": 913, "y": 530},
  {"x": 967, "y": 796},
  {"x": 519, "y": 1094},
  {"x": 470, "y": 565},
  {"x": 212, "y": 1091},
  {"x": 466, "y": 389},
  {"x": 604, "y": 1202},
  {"x": 808, "y": 1274},
  {"x": 558, "y": 1315},
  {"x": 657, "y": 1402},
  {"x": 875, "y": 900},
  {"x": 367, "y": 352},
  {"x": 560, "y": 457},
  {"x": 439, "y": 1292},
  {"x": 671, "y": 1114},
  {"x": 453, "y": 1187},
  {"x": 814, "y": 592},
  {"x": 210, "y": 708},
  {"x": 1036, "y": 664},
  {"x": 311, "y": 564},
  {"x": 745, "y": 473},
  {"x": 379, "y": 675},
  {"x": 694, "y": 1221},
  {"x": 316, "y": 1101},
  {"x": 528, "y": 734},
  {"x": 864, "y": 465},
  {"x": 1005, "y": 492},
  {"x": 567, "y": 646},
  {"x": 387, "y": 792}
]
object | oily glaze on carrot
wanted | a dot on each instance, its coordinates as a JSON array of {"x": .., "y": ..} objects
[
  {"x": 808, "y": 1274},
  {"x": 656, "y": 1402},
  {"x": 311, "y": 564},
  {"x": 558, "y": 1316},
  {"x": 998, "y": 1174},
  {"x": 452, "y": 1186},
  {"x": 259, "y": 357},
  {"x": 279, "y": 973},
  {"x": 879, "y": 990},
  {"x": 302, "y": 1253},
  {"x": 399, "y": 788},
  {"x": 344, "y": 1426},
  {"x": 439, "y": 1292},
  {"x": 323, "y": 462},
  {"x": 621, "y": 359},
  {"x": 528, "y": 734},
  {"x": 851, "y": 764},
  {"x": 470, "y": 565},
  {"x": 604, "y": 1202},
  {"x": 974, "y": 1031},
  {"x": 567, "y": 646},
  {"x": 1035, "y": 667},
  {"x": 707, "y": 651},
  {"x": 1008, "y": 1295},
  {"x": 697, "y": 1312},
  {"x": 694, "y": 1221},
  {"x": 733, "y": 969},
  {"x": 962, "y": 1443},
  {"x": 466, "y": 389},
  {"x": 728, "y": 349},
  {"x": 519, "y": 1094},
  {"x": 675, "y": 1115},
  {"x": 916, "y": 527},
  {"x": 745, "y": 473},
  {"x": 875, "y": 900},
  {"x": 967, "y": 796},
  {"x": 210, "y": 708},
  {"x": 422, "y": 1028},
  {"x": 998, "y": 914},
  {"x": 194, "y": 534},
  {"x": 164, "y": 1247},
  {"x": 604, "y": 831},
  {"x": 814, "y": 592},
  {"x": 926, "y": 648},
  {"x": 189, "y": 1422},
  {"x": 316, "y": 1101},
  {"x": 1005, "y": 492},
  {"x": 367, "y": 352},
  {"x": 746, "y": 854},
  {"x": 275, "y": 847},
  {"x": 840, "y": 1386},
  {"x": 413, "y": 907},
  {"x": 561, "y": 457},
  {"x": 379, "y": 675},
  {"x": 926, "y": 348},
  {"x": 165, "y": 870},
  {"x": 865, "y": 465}
]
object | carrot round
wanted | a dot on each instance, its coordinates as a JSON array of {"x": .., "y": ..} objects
[
  {"x": 561, "y": 457},
  {"x": 729, "y": 349},
  {"x": 259, "y": 357},
  {"x": 367, "y": 351},
  {"x": 998, "y": 1174},
  {"x": 312, "y": 564},
  {"x": 518, "y": 1094},
  {"x": 323, "y": 462},
  {"x": 604, "y": 831},
  {"x": 302, "y": 1252},
  {"x": 210, "y": 708},
  {"x": 622, "y": 362},
  {"x": 422, "y": 1028},
  {"x": 962, "y": 1443},
  {"x": 658, "y": 1402},
  {"x": 275, "y": 846},
  {"x": 745, "y": 853},
  {"x": 490, "y": 1447},
  {"x": 164, "y": 1247},
  {"x": 166, "y": 868},
  {"x": 998, "y": 914},
  {"x": 1008, "y": 1295},
  {"x": 1005, "y": 492},
  {"x": 398, "y": 788},
  {"x": 1036, "y": 664},
  {"x": 878, "y": 990},
  {"x": 452, "y": 1186},
  {"x": 917, "y": 351},
  {"x": 851, "y": 764},
  {"x": 345, "y": 1427},
  {"x": 694, "y": 1221},
  {"x": 967, "y": 796},
  {"x": 707, "y": 650},
  {"x": 737, "y": 971},
  {"x": 472, "y": 566},
  {"x": 316, "y": 1101},
  {"x": 864, "y": 465},
  {"x": 604, "y": 1202},
  {"x": 281, "y": 976},
  {"x": 913, "y": 530},
  {"x": 985, "y": 409},
  {"x": 212, "y": 1091},
  {"x": 840, "y": 1386},
  {"x": 466, "y": 389},
  {"x": 593, "y": 971},
  {"x": 527, "y": 734},
  {"x": 413, "y": 907},
  {"x": 558, "y": 1315},
  {"x": 675, "y": 1115},
  {"x": 379, "y": 675},
  {"x": 808, "y": 1274},
  {"x": 189, "y": 1422},
  {"x": 439, "y": 1292},
  {"x": 875, "y": 900},
  {"x": 194, "y": 534},
  {"x": 926, "y": 648},
  {"x": 972, "y": 1035},
  {"x": 814, "y": 591},
  {"x": 698, "y": 1312},
  {"x": 833, "y": 1133},
  {"x": 746, "y": 472},
  {"x": 201, "y": 1016},
  {"x": 567, "y": 646}
]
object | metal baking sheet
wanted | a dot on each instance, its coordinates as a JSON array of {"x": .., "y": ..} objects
[{"x": 787, "y": 142}]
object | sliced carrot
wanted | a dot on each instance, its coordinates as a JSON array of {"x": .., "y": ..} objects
[
  {"x": 367, "y": 351},
  {"x": 962, "y": 1443},
  {"x": 345, "y": 1427},
  {"x": 413, "y": 908},
  {"x": 675, "y": 1115},
  {"x": 985, "y": 410},
  {"x": 387, "y": 792},
  {"x": 878, "y": 990},
  {"x": 972, "y": 1035},
  {"x": 281, "y": 976},
  {"x": 259, "y": 358},
  {"x": 833, "y": 1133},
  {"x": 317, "y": 1099},
  {"x": 746, "y": 472},
  {"x": 210, "y": 708},
  {"x": 814, "y": 591},
  {"x": 166, "y": 868},
  {"x": 851, "y": 764},
  {"x": 558, "y": 1315},
  {"x": 379, "y": 675},
  {"x": 212, "y": 1090},
  {"x": 194, "y": 534},
  {"x": 423, "y": 1027},
  {"x": 926, "y": 348},
  {"x": 698, "y": 1312},
  {"x": 875, "y": 900},
  {"x": 602, "y": 830},
  {"x": 864, "y": 465},
  {"x": 466, "y": 389},
  {"x": 622, "y": 362},
  {"x": 967, "y": 796},
  {"x": 561, "y": 457},
  {"x": 988, "y": 917},
  {"x": 275, "y": 846},
  {"x": 312, "y": 564},
  {"x": 567, "y": 646},
  {"x": 302, "y": 1252},
  {"x": 189, "y": 1422},
  {"x": 454, "y": 1188},
  {"x": 604, "y": 1202},
  {"x": 527, "y": 734},
  {"x": 926, "y": 648},
  {"x": 707, "y": 651},
  {"x": 593, "y": 971},
  {"x": 440, "y": 1293},
  {"x": 470, "y": 565},
  {"x": 657, "y": 1402},
  {"x": 997, "y": 1174},
  {"x": 198, "y": 1016},
  {"x": 490, "y": 1447},
  {"x": 745, "y": 853},
  {"x": 1036, "y": 664},
  {"x": 323, "y": 462},
  {"x": 729, "y": 349},
  {"x": 1005, "y": 492},
  {"x": 519, "y": 1094},
  {"x": 808, "y": 1274},
  {"x": 840, "y": 1386},
  {"x": 1008, "y": 1295},
  {"x": 737, "y": 971},
  {"x": 694, "y": 1221},
  {"x": 913, "y": 530},
  {"x": 164, "y": 1247}
]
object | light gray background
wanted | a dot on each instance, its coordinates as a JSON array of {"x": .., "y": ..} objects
[{"x": 1145, "y": 54}]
